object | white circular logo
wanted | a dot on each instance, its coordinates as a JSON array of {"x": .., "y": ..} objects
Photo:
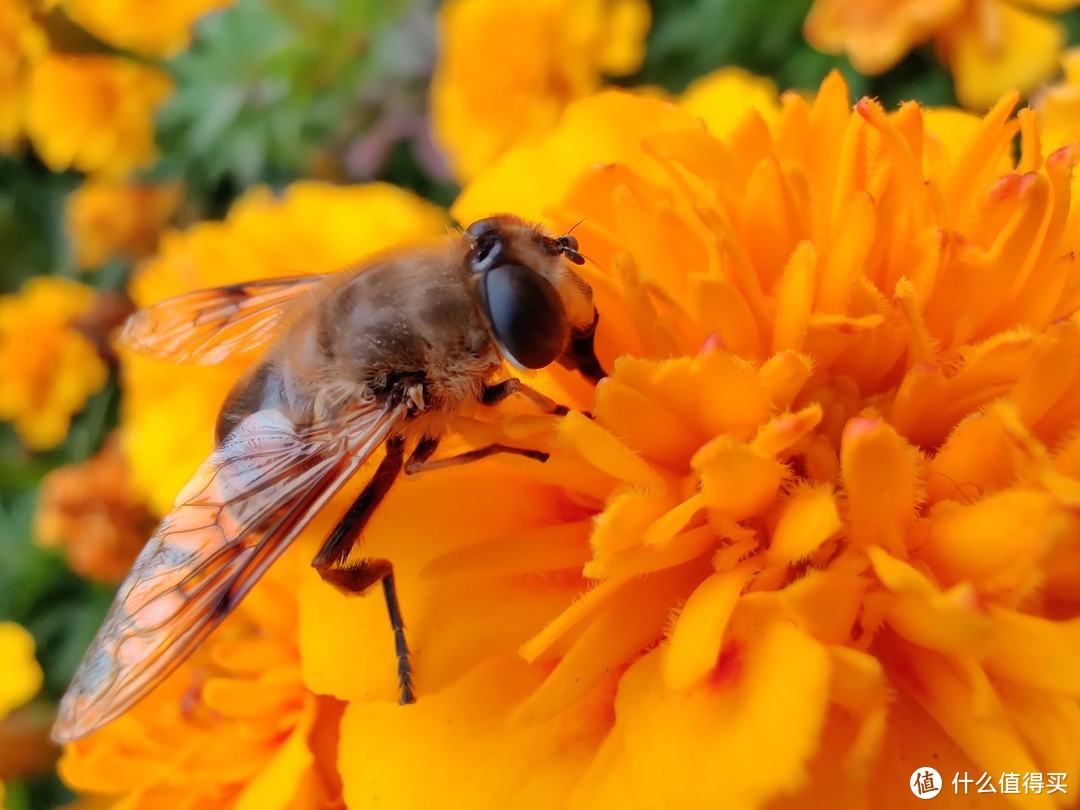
[{"x": 925, "y": 783}]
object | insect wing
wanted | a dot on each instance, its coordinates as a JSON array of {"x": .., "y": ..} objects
[
  {"x": 240, "y": 510},
  {"x": 208, "y": 326}
]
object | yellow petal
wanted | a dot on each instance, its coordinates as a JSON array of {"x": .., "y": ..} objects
[
  {"x": 879, "y": 471},
  {"x": 699, "y": 629},
  {"x": 737, "y": 481},
  {"x": 1022, "y": 51},
  {"x": 702, "y": 747},
  {"x": 275, "y": 787},
  {"x": 995, "y": 543},
  {"x": 471, "y": 757},
  {"x": 1036, "y": 652},
  {"x": 22, "y": 675},
  {"x": 808, "y": 519}
]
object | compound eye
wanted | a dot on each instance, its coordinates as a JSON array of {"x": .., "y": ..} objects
[
  {"x": 482, "y": 226},
  {"x": 526, "y": 314},
  {"x": 487, "y": 251},
  {"x": 568, "y": 242}
]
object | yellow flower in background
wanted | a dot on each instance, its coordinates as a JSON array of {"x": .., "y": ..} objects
[
  {"x": 311, "y": 228},
  {"x": 47, "y": 368},
  {"x": 94, "y": 113},
  {"x": 1059, "y": 104},
  {"x": 990, "y": 46},
  {"x": 160, "y": 29},
  {"x": 233, "y": 727},
  {"x": 506, "y": 71},
  {"x": 22, "y": 42},
  {"x": 22, "y": 676},
  {"x": 722, "y": 99},
  {"x": 105, "y": 219},
  {"x": 90, "y": 512}
]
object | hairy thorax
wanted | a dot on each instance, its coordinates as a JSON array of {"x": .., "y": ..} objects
[{"x": 406, "y": 329}]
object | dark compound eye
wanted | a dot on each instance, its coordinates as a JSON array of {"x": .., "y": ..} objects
[{"x": 526, "y": 315}]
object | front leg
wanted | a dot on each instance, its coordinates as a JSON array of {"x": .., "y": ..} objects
[{"x": 494, "y": 394}]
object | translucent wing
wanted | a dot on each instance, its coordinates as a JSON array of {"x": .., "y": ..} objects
[
  {"x": 207, "y": 326},
  {"x": 242, "y": 508}
]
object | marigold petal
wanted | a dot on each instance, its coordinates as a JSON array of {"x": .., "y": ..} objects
[
  {"x": 995, "y": 543},
  {"x": 879, "y": 472},
  {"x": 795, "y": 299},
  {"x": 1034, "y": 651},
  {"x": 470, "y": 754},
  {"x": 737, "y": 481},
  {"x": 702, "y": 746},
  {"x": 808, "y": 519},
  {"x": 698, "y": 632},
  {"x": 723, "y": 97},
  {"x": 275, "y": 787},
  {"x": 600, "y": 448},
  {"x": 605, "y": 128}
]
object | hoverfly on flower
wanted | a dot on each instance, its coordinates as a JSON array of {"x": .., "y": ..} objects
[{"x": 378, "y": 356}]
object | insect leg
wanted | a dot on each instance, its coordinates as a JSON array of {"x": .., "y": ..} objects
[
  {"x": 341, "y": 540},
  {"x": 414, "y": 466},
  {"x": 356, "y": 578},
  {"x": 494, "y": 394}
]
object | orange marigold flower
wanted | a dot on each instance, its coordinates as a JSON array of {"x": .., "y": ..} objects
[
  {"x": 90, "y": 511},
  {"x": 506, "y": 71},
  {"x": 312, "y": 228},
  {"x": 837, "y": 444},
  {"x": 47, "y": 368},
  {"x": 22, "y": 42},
  {"x": 105, "y": 219},
  {"x": 233, "y": 727},
  {"x": 94, "y": 113},
  {"x": 158, "y": 30},
  {"x": 991, "y": 46}
]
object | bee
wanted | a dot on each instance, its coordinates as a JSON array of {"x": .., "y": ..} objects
[{"x": 382, "y": 355}]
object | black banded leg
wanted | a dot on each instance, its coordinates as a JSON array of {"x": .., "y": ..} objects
[
  {"x": 356, "y": 578},
  {"x": 494, "y": 394},
  {"x": 415, "y": 465},
  {"x": 341, "y": 540},
  {"x": 360, "y": 577}
]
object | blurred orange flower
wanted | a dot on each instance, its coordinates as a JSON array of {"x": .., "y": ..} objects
[
  {"x": 160, "y": 29},
  {"x": 22, "y": 42},
  {"x": 90, "y": 511},
  {"x": 1059, "y": 104},
  {"x": 47, "y": 368},
  {"x": 506, "y": 70},
  {"x": 991, "y": 46},
  {"x": 105, "y": 219},
  {"x": 94, "y": 113}
]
